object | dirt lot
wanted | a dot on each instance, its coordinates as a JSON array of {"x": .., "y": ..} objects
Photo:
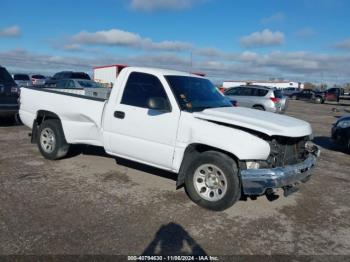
[{"x": 91, "y": 203}]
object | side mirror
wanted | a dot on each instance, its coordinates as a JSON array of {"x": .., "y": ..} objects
[{"x": 159, "y": 103}]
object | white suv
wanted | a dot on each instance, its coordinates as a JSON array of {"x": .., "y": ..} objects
[{"x": 258, "y": 97}]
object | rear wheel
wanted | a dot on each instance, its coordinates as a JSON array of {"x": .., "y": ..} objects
[
  {"x": 51, "y": 141},
  {"x": 257, "y": 107},
  {"x": 212, "y": 181}
]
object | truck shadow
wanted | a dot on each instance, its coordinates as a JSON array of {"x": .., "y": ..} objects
[
  {"x": 99, "y": 151},
  {"x": 173, "y": 239}
]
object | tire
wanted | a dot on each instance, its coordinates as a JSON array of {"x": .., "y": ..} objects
[
  {"x": 17, "y": 119},
  {"x": 51, "y": 141},
  {"x": 294, "y": 97},
  {"x": 212, "y": 181},
  {"x": 261, "y": 108},
  {"x": 348, "y": 146},
  {"x": 318, "y": 100}
]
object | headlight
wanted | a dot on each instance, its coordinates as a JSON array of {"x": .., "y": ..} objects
[
  {"x": 309, "y": 146},
  {"x": 252, "y": 165},
  {"x": 344, "y": 124}
]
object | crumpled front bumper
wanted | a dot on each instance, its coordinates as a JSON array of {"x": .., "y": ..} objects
[{"x": 257, "y": 181}]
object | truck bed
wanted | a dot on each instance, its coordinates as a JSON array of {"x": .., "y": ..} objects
[{"x": 81, "y": 115}]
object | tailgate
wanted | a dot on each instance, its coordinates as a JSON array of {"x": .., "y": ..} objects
[{"x": 8, "y": 94}]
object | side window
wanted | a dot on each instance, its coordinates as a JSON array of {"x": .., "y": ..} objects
[
  {"x": 233, "y": 91},
  {"x": 140, "y": 87},
  {"x": 260, "y": 92},
  {"x": 61, "y": 84},
  {"x": 245, "y": 91},
  {"x": 70, "y": 84}
]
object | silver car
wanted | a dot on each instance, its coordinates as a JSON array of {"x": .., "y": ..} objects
[
  {"x": 38, "y": 80},
  {"x": 258, "y": 97},
  {"x": 22, "y": 80},
  {"x": 77, "y": 84}
]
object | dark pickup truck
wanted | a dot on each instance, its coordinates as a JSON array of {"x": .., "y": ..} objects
[
  {"x": 332, "y": 94},
  {"x": 9, "y": 93}
]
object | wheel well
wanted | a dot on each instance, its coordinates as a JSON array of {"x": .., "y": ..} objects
[
  {"x": 255, "y": 106},
  {"x": 41, "y": 116},
  {"x": 191, "y": 152}
]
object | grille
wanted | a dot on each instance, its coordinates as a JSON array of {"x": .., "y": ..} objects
[{"x": 287, "y": 151}]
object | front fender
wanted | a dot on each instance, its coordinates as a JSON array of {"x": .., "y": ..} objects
[{"x": 243, "y": 145}]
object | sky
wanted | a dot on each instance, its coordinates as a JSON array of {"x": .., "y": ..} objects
[{"x": 299, "y": 40}]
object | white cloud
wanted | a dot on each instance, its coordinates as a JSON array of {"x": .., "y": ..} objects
[
  {"x": 298, "y": 66},
  {"x": 345, "y": 44},
  {"x": 12, "y": 31},
  {"x": 71, "y": 47},
  {"x": 107, "y": 37},
  {"x": 154, "y": 5},
  {"x": 305, "y": 32},
  {"x": 263, "y": 38},
  {"x": 116, "y": 37},
  {"x": 275, "y": 18}
]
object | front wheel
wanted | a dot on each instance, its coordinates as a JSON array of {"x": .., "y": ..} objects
[
  {"x": 212, "y": 181},
  {"x": 51, "y": 141},
  {"x": 318, "y": 100}
]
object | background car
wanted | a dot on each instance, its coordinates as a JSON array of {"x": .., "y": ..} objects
[
  {"x": 22, "y": 80},
  {"x": 9, "y": 93},
  {"x": 66, "y": 75},
  {"x": 38, "y": 80},
  {"x": 77, "y": 83},
  {"x": 290, "y": 91},
  {"x": 341, "y": 132},
  {"x": 319, "y": 97},
  {"x": 258, "y": 97}
]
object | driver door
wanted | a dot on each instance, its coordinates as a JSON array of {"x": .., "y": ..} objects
[{"x": 139, "y": 133}]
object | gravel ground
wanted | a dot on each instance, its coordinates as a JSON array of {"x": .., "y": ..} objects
[{"x": 91, "y": 203}]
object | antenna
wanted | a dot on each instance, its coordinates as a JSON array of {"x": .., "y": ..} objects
[{"x": 191, "y": 58}]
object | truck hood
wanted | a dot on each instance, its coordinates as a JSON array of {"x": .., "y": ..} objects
[{"x": 268, "y": 123}]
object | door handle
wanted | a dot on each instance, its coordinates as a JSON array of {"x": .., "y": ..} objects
[{"x": 119, "y": 114}]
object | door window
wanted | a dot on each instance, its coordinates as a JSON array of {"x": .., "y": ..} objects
[
  {"x": 233, "y": 91},
  {"x": 260, "y": 92},
  {"x": 140, "y": 87},
  {"x": 70, "y": 84},
  {"x": 245, "y": 91},
  {"x": 61, "y": 84}
]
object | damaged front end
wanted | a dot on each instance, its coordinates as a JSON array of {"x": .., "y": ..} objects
[{"x": 289, "y": 163}]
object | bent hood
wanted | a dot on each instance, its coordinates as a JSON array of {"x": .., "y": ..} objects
[{"x": 268, "y": 123}]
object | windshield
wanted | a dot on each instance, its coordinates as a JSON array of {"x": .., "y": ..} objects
[
  {"x": 196, "y": 94},
  {"x": 5, "y": 77},
  {"x": 80, "y": 76},
  {"x": 21, "y": 77},
  {"x": 89, "y": 84},
  {"x": 38, "y": 76}
]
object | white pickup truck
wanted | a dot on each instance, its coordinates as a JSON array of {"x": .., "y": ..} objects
[{"x": 178, "y": 122}]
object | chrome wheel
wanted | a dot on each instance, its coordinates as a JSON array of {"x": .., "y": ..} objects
[
  {"x": 47, "y": 140},
  {"x": 210, "y": 182}
]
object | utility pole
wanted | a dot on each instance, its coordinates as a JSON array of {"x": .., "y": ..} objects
[{"x": 191, "y": 59}]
